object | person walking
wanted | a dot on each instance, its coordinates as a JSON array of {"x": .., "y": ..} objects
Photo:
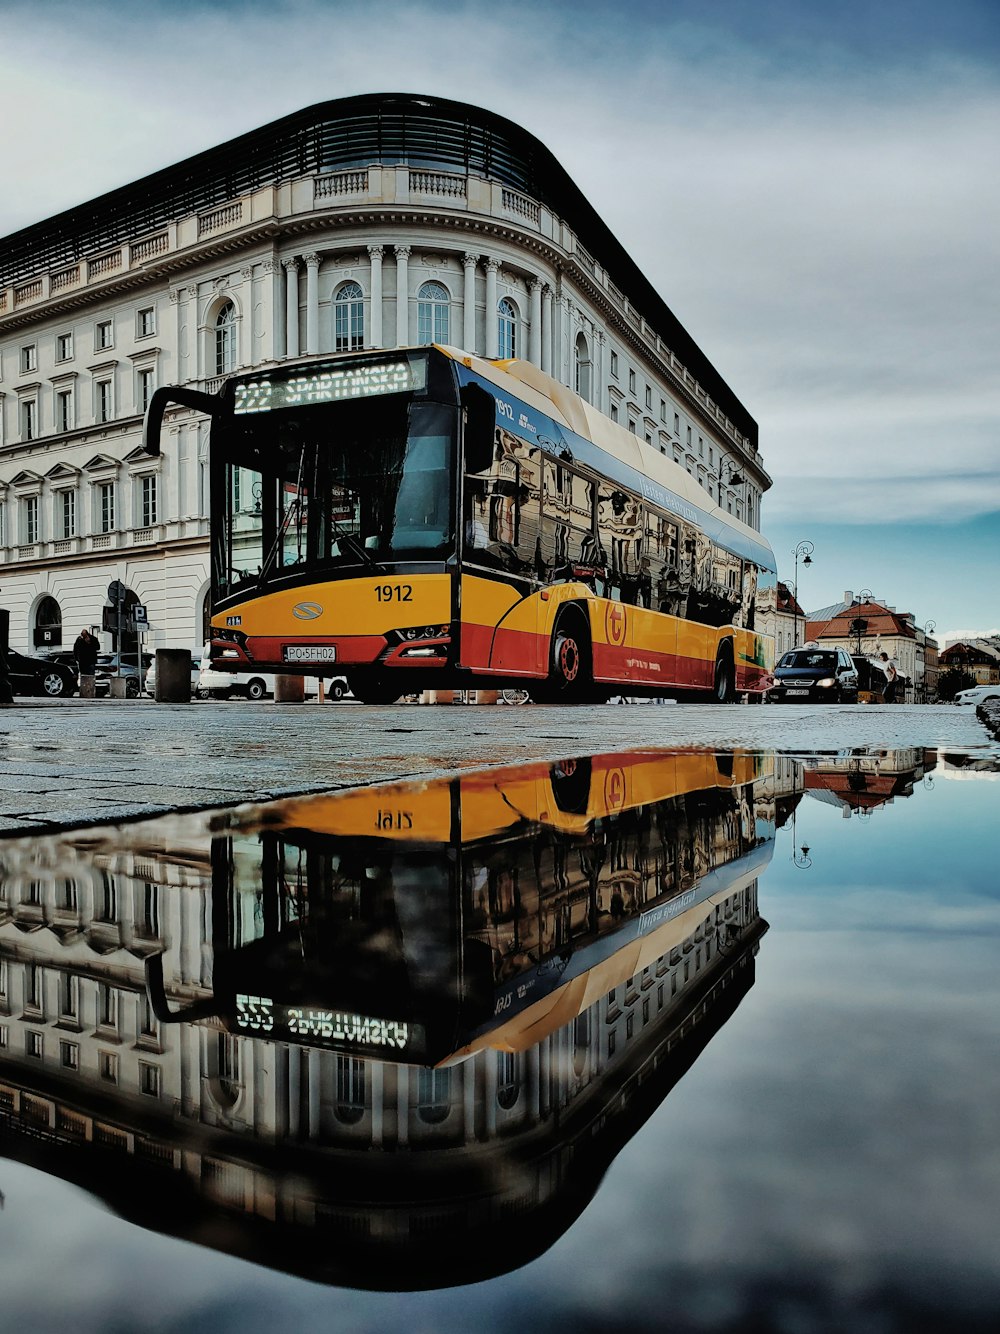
[
  {"x": 892, "y": 682},
  {"x": 85, "y": 650}
]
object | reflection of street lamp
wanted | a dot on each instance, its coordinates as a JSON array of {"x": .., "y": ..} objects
[
  {"x": 804, "y": 549},
  {"x": 800, "y": 856}
]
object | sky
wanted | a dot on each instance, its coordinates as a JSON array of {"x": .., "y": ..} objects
[{"x": 812, "y": 188}]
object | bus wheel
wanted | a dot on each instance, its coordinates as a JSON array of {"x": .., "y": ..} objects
[
  {"x": 375, "y": 691},
  {"x": 724, "y": 691},
  {"x": 569, "y": 667}
]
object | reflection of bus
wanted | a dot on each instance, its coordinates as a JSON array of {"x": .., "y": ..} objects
[
  {"x": 424, "y": 518},
  {"x": 421, "y": 922}
]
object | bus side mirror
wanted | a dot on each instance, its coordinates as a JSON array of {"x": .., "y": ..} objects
[
  {"x": 186, "y": 398},
  {"x": 480, "y": 422}
]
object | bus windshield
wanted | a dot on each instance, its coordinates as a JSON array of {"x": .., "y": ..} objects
[{"x": 345, "y": 484}]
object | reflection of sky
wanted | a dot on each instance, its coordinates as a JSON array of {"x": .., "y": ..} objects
[{"x": 832, "y": 1160}]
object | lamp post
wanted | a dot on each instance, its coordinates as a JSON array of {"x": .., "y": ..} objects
[{"x": 805, "y": 550}]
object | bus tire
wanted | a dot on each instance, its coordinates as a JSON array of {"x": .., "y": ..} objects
[
  {"x": 724, "y": 689},
  {"x": 570, "y": 659}
]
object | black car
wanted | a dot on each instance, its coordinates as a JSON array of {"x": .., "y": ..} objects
[
  {"x": 40, "y": 676},
  {"x": 826, "y": 674}
]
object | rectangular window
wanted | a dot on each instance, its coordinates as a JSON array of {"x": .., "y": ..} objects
[
  {"x": 64, "y": 410},
  {"x": 649, "y": 397},
  {"x": 29, "y": 419},
  {"x": 3, "y": 981},
  {"x": 149, "y": 1079},
  {"x": 32, "y": 987},
  {"x": 614, "y": 364},
  {"x": 149, "y": 1027},
  {"x": 34, "y": 1045},
  {"x": 104, "y": 408},
  {"x": 107, "y": 501},
  {"x": 701, "y": 447},
  {"x": 29, "y": 520},
  {"x": 148, "y": 515},
  {"x": 69, "y": 1055},
  {"x": 614, "y": 412},
  {"x": 104, "y": 335},
  {"x": 64, "y": 347},
  {"x": 677, "y": 423},
  {"x": 107, "y": 1006},
  {"x": 663, "y": 409},
  {"x": 145, "y": 322},
  {"x": 69, "y": 996},
  {"x": 689, "y": 435},
  {"x": 67, "y": 513},
  {"x": 3, "y": 1035},
  {"x": 29, "y": 358},
  {"x": 108, "y": 1066},
  {"x": 145, "y": 389},
  {"x": 631, "y": 382},
  {"x": 632, "y": 425}
]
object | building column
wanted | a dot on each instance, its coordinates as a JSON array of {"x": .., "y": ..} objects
[
  {"x": 375, "y": 253},
  {"x": 312, "y": 302},
  {"x": 492, "y": 269},
  {"x": 291, "y": 267},
  {"x": 547, "y": 329},
  {"x": 601, "y": 398},
  {"x": 402, "y": 296},
  {"x": 535, "y": 340},
  {"x": 246, "y": 318},
  {"x": 469, "y": 303},
  {"x": 269, "y": 332}
]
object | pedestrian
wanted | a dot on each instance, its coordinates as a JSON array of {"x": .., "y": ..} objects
[
  {"x": 85, "y": 650},
  {"x": 891, "y": 669}
]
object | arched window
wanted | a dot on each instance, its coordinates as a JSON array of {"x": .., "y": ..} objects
[
  {"x": 507, "y": 339},
  {"x": 48, "y": 624},
  {"x": 225, "y": 340},
  {"x": 224, "y": 1079},
  {"x": 582, "y": 364},
  {"x": 433, "y": 1095},
  {"x": 433, "y": 314},
  {"x": 349, "y": 318}
]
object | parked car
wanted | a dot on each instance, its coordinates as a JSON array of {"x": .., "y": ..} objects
[
  {"x": 977, "y": 695},
  {"x": 149, "y": 681},
  {"x": 814, "y": 673},
  {"x": 113, "y": 664},
  {"x": 215, "y": 684},
  {"x": 40, "y": 676}
]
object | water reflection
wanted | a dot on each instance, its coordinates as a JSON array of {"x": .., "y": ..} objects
[{"x": 391, "y": 1038}]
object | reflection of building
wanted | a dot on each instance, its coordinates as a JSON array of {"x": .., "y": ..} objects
[
  {"x": 866, "y": 779},
  {"x": 579, "y": 984},
  {"x": 376, "y": 221}
]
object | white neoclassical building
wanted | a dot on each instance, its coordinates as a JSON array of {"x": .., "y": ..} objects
[{"x": 375, "y": 221}]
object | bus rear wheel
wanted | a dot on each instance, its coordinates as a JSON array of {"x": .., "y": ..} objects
[{"x": 724, "y": 690}]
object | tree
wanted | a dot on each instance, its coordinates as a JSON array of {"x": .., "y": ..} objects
[{"x": 952, "y": 681}]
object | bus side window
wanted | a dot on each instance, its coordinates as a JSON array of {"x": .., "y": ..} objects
[
  {"x": 619, "y": 534},
  {"x": 566, "y": 540},
  {"x": 500, "y": 507}
]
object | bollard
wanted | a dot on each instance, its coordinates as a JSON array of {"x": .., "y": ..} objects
[
  {"x": 487, "y": 696},
  {"x": 289, "y": 689},
  {"x": 86, "y": 687},
  {"x": 173, "y": 676},
  {"x": 116, "y": 687}
]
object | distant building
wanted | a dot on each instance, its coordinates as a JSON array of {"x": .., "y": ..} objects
[
  {"x": 868, "y": 628},
  {"x": 778, "y": 614},
  {"x": 979, "y": 657}
]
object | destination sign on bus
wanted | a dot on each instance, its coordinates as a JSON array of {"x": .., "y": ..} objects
[
  {"x": 261, "y": 1014},
  {"x": 266, "y": 393}
]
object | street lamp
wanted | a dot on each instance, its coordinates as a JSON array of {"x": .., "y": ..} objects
[{"x": 805, "y": 550}]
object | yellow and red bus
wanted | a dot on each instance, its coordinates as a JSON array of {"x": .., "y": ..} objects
[{"x": 423, "y": 518}]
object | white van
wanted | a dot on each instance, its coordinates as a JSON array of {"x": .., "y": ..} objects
[{"x": 213, "y": 684}]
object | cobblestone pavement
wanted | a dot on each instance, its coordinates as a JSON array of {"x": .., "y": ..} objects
[{"x": 75, "y": 762}]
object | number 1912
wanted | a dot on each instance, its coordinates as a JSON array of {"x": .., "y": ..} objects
[{"x": 394, "y": 592}]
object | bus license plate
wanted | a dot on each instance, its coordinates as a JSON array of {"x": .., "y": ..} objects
[{"x": 310, "y": 653}]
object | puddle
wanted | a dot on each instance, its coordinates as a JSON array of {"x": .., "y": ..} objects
[{"x": 706, "y": 1034}]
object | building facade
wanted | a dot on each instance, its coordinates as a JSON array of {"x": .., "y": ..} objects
[{"x": 371, "y": 222}]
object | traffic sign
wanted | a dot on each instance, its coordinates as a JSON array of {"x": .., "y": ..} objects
[{"x": 116, "y": 592}]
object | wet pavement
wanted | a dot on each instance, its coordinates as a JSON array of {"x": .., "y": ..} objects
[
  {"x": 698, "y": 1040},
  {"x": 76, "y": 762}
]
